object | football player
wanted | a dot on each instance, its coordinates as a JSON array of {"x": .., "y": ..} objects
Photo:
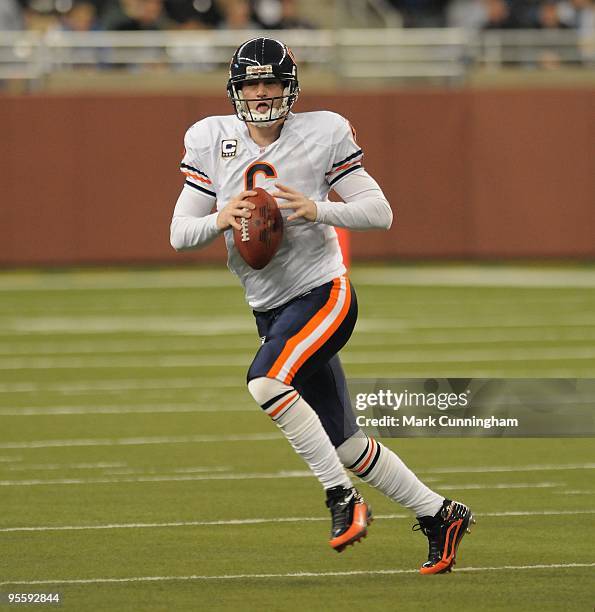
[{"x": 303, "y": 302}]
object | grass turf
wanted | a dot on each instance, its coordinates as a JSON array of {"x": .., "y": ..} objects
[{"x": 123, "y": 407}]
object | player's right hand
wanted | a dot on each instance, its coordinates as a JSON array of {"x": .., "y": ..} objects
[{"x": 238, "y": 206}]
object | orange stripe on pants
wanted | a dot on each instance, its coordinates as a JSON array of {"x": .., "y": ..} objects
[
  {"x": 327, "y": 334},
  {"x": 310, "y": 328}
]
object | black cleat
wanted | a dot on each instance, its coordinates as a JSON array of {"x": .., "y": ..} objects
[
  {"x": 444, "y": 532},
  {"x": 350, "y": 515}
]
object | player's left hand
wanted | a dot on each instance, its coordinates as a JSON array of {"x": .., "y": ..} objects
[{"x": 296, "y": 201}]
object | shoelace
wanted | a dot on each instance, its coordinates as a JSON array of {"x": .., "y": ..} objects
[
  {"x": 433, "y": 541},
  {"x": 340, "y": 514}
]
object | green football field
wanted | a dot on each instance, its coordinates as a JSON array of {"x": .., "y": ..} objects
[{"x": 137, "y": 474}]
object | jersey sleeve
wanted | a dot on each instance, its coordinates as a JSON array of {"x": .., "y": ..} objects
[
  {"x": 194, "y": 168},
  {"x": 346, "y": 155}
]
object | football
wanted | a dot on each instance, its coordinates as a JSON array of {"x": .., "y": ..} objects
[{"x": 261, "y": 234}]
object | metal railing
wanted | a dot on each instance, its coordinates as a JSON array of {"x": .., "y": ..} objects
[{"x": 385, "y": 53}]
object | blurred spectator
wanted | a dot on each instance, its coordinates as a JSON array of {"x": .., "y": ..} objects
[
  {"x": 498, "y": 15},
  {"x": 466, "y": 14},
  {"x": 422, "y": 13},
  {"x": 548, "y": 16},
  {"x": 137, "y": 15},
  {"x": 102, "y": 5},
  {"x": 38, "y": 21},
  {"x": 193, "y": 14},
  {"x": 524, "y": 12},
  {"x": 579, "y": 14},
  {"x": 284, "y": 14},
  {"x": 82, "y": 17},
  {"x": 190, "y": 23},
  {"x": 480, "y": 14},
  {"x": 11, "y": 16},
  {"x": 279, "y": 14},
  {"x": 236, "y": 15},
  {"x": 585, "y": 22}
]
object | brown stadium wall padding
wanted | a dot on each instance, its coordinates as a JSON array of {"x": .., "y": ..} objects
[{"x": 470, "y": 174}]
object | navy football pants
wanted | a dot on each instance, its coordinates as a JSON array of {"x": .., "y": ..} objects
[{"x": 300, "y": 346}]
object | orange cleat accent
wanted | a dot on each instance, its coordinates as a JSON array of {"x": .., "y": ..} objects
[
  {"x": 358, "y": 530},
  {"x": 445, "y": 532},
  {"x": 350, "y": 516}
]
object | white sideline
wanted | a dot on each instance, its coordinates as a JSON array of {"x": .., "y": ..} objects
[
  {"x": 420, "y": 275},
  {"x": 475, "y": 276},
  {"x": 292, "y": 574},
  {"x": 259, "y": 521}
]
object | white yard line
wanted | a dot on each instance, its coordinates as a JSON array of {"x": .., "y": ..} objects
[
  {"x": 32, "y": 467},
  {"x": 142, "y": 441},
  {"x": 353, "y": 356},
  {"x": 233, "y": 326},
  {"x": 512, "y": 370},
  {"x": 157, "y": 472},
  {"x": 126, "y": 409},
  {"x": 126, "y": 384},
  {"x": 503, "y": 485},
  {"x": 389, "y": 572},
  {"x": 153, "y": 470},
  {"x": 102, "y": 346},
  {"x": 147, "y": 478},
  {"x": 147, "y": 324},
  {"x": 508, "y": 468},
  {"x": 483, "y": 321},
  {"x": 133, "y": 345},
  {"x": 85, "y": 362},
  {"x": 470, "y": 355},
  {"x": 476, "y": 276},
  {"x": 121, "y": 279},
  {"x": 259, "y": 521},
  {"x": 250, "y": 476}
]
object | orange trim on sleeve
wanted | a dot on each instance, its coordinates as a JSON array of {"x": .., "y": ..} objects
[
  {"x": 196, "y": 177},
  {"x": 347, "y": 165}
]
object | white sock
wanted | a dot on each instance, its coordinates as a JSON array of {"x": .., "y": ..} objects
[
  {"x": 380, "y": 467},
  {"x": 302, "y": 427}
]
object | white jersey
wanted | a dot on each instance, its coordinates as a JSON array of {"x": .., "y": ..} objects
[{"x": 313, "y": 153}]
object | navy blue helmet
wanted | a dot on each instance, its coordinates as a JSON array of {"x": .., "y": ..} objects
[{"x": 258, "y": 59}]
